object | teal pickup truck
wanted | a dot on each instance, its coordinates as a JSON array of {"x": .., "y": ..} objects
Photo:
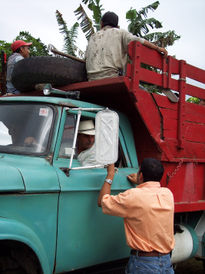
[{"x": 49, "y": 218}]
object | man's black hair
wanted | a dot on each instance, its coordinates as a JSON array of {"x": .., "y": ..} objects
[
  {"x": 17, "y": 50},
  {"x": 152, "y": 170},
  {"x": 109, "y": 19}
]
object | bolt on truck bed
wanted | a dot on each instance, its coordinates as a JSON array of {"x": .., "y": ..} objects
[{"x": 173, "y": 132}]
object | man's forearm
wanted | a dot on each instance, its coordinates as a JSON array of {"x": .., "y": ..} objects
[
  {"x": 106, "y": 188},
  {"x": 153, "y": 46}
]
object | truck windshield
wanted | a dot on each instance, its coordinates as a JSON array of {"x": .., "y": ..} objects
[{"x": 25, "y": 129}]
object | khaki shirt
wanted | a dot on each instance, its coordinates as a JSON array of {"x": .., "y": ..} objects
[
  {"x": 106, "y": 53},
  {"x": 148, "y": 212}
]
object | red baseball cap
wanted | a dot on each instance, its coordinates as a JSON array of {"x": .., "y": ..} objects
[{"x": 19, "y": 43}]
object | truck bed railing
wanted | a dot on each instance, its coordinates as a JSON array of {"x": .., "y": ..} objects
[{"x": 167, "y": 73}]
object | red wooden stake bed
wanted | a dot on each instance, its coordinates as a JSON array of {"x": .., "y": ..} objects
[{"x": 171, "y": 132}]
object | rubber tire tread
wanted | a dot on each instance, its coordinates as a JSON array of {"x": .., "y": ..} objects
[{"x": 57, "y": 71}]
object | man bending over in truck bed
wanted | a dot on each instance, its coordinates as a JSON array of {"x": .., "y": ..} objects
[{"x": 106, "y": 54}]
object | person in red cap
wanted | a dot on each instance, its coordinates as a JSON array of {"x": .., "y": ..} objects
[{"x": 20, "y": 51}]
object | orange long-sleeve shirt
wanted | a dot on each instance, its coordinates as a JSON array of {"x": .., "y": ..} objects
[{"x": 148, "y": 212}]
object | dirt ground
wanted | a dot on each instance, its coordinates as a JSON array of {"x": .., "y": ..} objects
[{"x": 191, "y": 266}]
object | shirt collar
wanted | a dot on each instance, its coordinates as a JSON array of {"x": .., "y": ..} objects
[
  {"x": 150, "y": 184},
  {"x": 107, "y": 27}
]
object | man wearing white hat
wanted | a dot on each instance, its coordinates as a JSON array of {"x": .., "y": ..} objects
[{"x": 85, "y": 143}]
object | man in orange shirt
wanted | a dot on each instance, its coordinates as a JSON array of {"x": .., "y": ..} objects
[{"x": 148, "y": 212}]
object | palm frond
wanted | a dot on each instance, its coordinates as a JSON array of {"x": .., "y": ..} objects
[
  {"x": 87, "y": 25},
  {"x": 139, "y": 25},
  {"x": 69, "y": 35},
  {"x": 163, "y": 39},
  {"x": 70, "y": 40},
  {"x": 73, "y": 32},
  {"x": 86, "y": 22},
  {"x": 96, "y": 9},
  {"x": 152, "y": 23},
  {"x": 144, "y": 11},
  {"x": 62, "y": 24}
]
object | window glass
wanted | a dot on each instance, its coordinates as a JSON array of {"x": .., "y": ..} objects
[
  {"x": 68, "y": 136},
  {"x": 25, "y": 128},
  {"x": 67, "y": 142}
]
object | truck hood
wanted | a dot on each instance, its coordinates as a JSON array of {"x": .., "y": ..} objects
[
  {"x": 11, "y": 179},
  {"x": 21, "y": 173}
]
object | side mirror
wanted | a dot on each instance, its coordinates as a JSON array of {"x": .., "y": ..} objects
[{"x": 106, "y": 136}]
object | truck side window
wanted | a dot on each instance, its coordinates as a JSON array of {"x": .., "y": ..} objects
[
  {"x": 121, "y": 162},
  {"x": 67, "y": 138}
]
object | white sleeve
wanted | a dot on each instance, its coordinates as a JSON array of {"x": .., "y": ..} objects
[
  {"x": 128, "y": 37},
  {"x": 19, "y": 58}
]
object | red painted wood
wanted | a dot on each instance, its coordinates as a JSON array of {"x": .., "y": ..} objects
[
  {"x": 189, "y": 207},
  {"x": 181, "y": 105},
  {"x": 195, "y": 91},
  {"x": 160, "y": 127},
  {"x": 195, "y": 113},
  {"x": 195, "y": 73},
  {"x": 150, "y": 77},
  {"x": 135, "y": 68}
]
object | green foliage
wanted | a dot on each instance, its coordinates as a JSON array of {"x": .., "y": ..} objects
[
  {"x": 193, "y": 100},
  {"x": 6, "y": 47},
  {"x": 37, "y": 48},
  {"x": 162, "y": 39},
  {"x": 69, "y": 35},
  {"x": 86, "y": 23},
  {"x": 89, "y": 27},
  {"x": 140, "y": 26}
]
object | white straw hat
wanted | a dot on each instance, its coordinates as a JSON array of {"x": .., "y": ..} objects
[{"x": 87, "y": 127}]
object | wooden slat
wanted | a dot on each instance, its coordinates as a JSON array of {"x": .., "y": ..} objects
[
  {"x": 168, "y": 113},
  {"x": 195, "y": 133},
  {"x": 170, "y": 134},
  {"x": 151, "y": 77},
  {"x": 163, "y": 102},
  {"x": 195, "y": 73},
  {"x": 195, "y": 91},
  {"x": 148, "y": 56},
  {"x": 173, "y": 63},
  {"x": 151, "y": 57},
  {"x": 195, "y": 113},
  {"x": 145, "y": 105}
]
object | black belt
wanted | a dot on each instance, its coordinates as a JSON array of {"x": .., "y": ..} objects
[{"x": 141, "y": 253}]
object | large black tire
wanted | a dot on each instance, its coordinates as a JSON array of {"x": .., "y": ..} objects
[
  {"x": 46, "y": 69},
  {"x": 17, "y": 259}
]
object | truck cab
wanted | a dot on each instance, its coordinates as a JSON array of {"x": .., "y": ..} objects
[{"x": 48, "y": 209}]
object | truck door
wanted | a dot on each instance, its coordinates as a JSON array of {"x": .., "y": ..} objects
[{"x": 85, "y": 235}]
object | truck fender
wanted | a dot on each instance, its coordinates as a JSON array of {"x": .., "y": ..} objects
[{"x": 15, "y": 231}]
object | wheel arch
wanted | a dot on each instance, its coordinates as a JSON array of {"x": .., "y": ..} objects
[{"x": 18, "y": 233}]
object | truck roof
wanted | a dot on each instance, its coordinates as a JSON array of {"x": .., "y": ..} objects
[{"x": 51, "y": 100}]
